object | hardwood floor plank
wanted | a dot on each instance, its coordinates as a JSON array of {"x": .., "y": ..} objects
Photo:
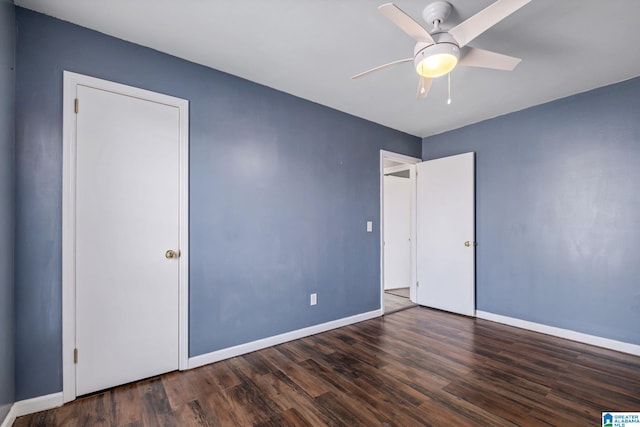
[
  {"x": 370, "y": 389},
  {"x": 545, "y": 417},
  {"x": 313, "y": 347},
  {"x": 499, "y": 383},
  {"x": 254, "y": 406},
  {"x": 570, "y": 407},
  {"x": 417, "y": 367},
  {"x": 291, "y": 417},
  {"x": 258, "y": 363},
  {"x": 280, "y": 389},
  {"x": 39, "y": 419},
  {"x": 627, "y": 387},
  {"x": 505, "y": 407},
  {"x": 370, "y": 358},
  {"x": 221, "y": 411},
  {"x": 447, "y": 410},
  {"x": 154, "y": 404},
  {"x": 244, "y": 370},
  {"x": 191, "y": 414},
  {"x": 179, "y": 388},
  {"x": 302, "y": 375},
  {"x": 281, "y": 360},
  {"x": 89, "y": 412},
  {"x": 290, "y": 351},
  {"x": 341, "y": 413},
  {"x": 125, "y": 408}
]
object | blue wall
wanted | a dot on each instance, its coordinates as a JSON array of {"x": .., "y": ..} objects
[
  {"x": 558, "y": 211},
  {"x": 281, "y": 189},
  {"x": 7, "y": 193}
]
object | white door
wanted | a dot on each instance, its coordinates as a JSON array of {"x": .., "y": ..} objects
[
  {"x": 446, "y": 234},
  {"x": 127, "y": 217},
  {"x": 397, "y": 232}
]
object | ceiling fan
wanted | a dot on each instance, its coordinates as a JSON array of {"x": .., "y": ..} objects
[{"x": 436, "y": 53}]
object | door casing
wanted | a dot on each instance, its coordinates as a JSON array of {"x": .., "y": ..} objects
[{"x": 71, "y": 81}]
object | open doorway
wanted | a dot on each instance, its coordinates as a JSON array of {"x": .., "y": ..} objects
[
  {"x": 441, "y": 225},
  {"x": 397, "y": 198}
]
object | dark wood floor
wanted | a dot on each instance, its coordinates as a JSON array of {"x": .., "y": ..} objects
[{"x": 413, "y": 367}]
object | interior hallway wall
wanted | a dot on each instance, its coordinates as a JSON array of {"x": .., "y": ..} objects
[{"x": 397, "y": 232}]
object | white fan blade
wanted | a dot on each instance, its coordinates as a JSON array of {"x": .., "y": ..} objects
[
  {"x": 485, "y": 19},
  {"x": 423, "y": 87},
  {"x": 487, "y": 59},
  {"x": 405, "y": 23},
  {"x": 400, "y": 61}
]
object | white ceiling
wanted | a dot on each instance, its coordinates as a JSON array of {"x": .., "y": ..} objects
[{"x": 311, "y": 48}]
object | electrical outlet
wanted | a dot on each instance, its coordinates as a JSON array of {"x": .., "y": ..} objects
[
  {"x": 369, "y": 226},
  {"x": 314, "y": 299}
]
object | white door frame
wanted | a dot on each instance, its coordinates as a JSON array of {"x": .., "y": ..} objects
[
  {"x": 411, "y": 161},
  {"x": 71, "y": 80}
]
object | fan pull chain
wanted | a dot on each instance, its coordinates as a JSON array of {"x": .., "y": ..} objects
[{"x": 449, "y": 88}]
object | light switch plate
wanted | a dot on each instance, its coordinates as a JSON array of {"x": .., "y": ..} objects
[
  {"x": 314, "y": 299},
  {"x": 369, "y": 226}
]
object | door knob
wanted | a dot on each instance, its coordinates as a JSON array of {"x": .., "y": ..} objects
[
  {"x": 171, "y": 254},
  {"x": 468, "y": 243}
]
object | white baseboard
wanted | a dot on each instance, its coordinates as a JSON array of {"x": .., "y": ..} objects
[
  {"x": 238, "y": 350},
  {"x": 29, "y": 406},
  {"x": 10, "y": 418},
  {"x": 621, "y": 346},
  {"x": 54, "y": 400}
]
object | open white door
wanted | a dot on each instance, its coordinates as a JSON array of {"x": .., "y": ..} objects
[{"x": 445, "y": 233}]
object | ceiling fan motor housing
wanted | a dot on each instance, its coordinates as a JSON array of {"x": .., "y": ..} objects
[{"x": 437, "y": 11}]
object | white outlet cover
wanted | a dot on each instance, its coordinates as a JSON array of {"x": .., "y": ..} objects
[
  {"x": 314, "y": 299},
  {"x": 369, "y": 226}
]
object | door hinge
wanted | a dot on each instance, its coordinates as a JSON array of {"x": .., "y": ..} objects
[
  {"x": 417, "y": 284},
  {"x": 75, "y": 355},
  {"x": 76, "y": 105}
]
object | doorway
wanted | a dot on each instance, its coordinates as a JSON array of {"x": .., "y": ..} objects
[
  {"x": 124, "y": 234},
  {"x": 442, "y": 243},
  {"x": 397, "y": 189}
]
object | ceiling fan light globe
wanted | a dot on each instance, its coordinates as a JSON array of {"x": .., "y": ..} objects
[
  {"x": 436, "y": 65},
  {"x": 436, "y": 60}
]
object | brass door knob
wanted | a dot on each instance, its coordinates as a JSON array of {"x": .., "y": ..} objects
[
  {"x": 170, "y": 254},
  {"x": 468, "y": 243}
]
